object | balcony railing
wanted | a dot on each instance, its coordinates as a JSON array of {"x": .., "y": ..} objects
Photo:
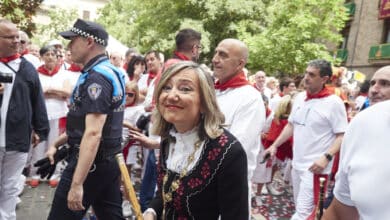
[{"x": 379, "y": 52}]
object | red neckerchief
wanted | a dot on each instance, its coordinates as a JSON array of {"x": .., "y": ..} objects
[
  {"x": 364, "y": 94},
  {"x": 10, "y": 58},
  {"x": 74, "y": 68},
  {"x": 131, "y": 104},
  {"x": 24, "y": 52},
  {"x": 267, "y": 112},
  {"x": 235, "y": 82},
  {"x": 125, "y": 66},
  {"x": 181, "y": 56},
  {"x": 151, "y": 76},
  {"x": 281, "y": 94},
  {"x": 46, "y": 72},
  {"x": 323, "y": 93}
]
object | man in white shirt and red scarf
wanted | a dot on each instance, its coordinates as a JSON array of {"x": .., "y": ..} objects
[
  {"x": 22, "y": 111},
  {"x": 317, "y": 122},
  {"x": 239, "y": 101}
]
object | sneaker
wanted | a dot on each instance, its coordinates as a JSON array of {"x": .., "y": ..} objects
[
  {"x": 272, "y": 190},
  {"x": 34, "y": 183},
  {"x": 53, "y": 182},
  {"x": 126, "y": 208}
]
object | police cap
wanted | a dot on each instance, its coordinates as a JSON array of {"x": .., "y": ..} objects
[{"x": 85, "y": 28}]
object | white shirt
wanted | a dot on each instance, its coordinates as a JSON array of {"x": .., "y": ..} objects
[
  {"x": 316, "y": 123},
  {"x": 244, "y": 113},
  {"x": 131, "y": 115},
  {"x": 14, "y": 64},
  {"x": 33, "y": 60},
  {"x": 180, "y": 151},
  {"x": 143, "y": 81},
  {"x": 56, "y": 108},
  {"x": 274, "y": 102},
  {"x": 363, "y": 175}
]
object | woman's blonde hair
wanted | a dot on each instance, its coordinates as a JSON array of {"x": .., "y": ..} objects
[
  {"x": 284, "y": 108},
  {"x": 211, "y": 116},
  {"x": 131, "y": 85}
]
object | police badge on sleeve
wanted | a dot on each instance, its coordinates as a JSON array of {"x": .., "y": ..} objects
[{"x": 94, "y": 91}]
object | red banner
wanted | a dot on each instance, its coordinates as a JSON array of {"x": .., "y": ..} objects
[{"x": 384, "y": 10}]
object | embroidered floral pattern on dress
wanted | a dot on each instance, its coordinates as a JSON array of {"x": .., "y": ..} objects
[
  {"x": 194, "y": 182},
  {"x": 205, "y": 170},
  {"x": 213, "y": 153},
  {"x": 223, "y": 139}
]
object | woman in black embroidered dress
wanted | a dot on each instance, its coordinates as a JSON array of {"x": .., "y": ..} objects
[{"x": 202, "y": 171}]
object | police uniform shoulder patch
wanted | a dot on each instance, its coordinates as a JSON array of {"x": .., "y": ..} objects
[{"x": 94, "y": 91}]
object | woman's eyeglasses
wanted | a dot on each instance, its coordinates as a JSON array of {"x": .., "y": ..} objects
[{"x": 130, "y": 94}]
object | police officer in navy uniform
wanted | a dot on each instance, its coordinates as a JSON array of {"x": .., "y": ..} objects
[{"x": 94, "y": 130}]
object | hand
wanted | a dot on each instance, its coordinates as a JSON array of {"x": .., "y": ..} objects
[
  {"x": 319, "y": 165},
  {"x": 136, "y": 135},
  {"x": 35, "y": 139},
  {"x": 1, "y": 88},
  {"x": 75, "y": 198},
  {"x": 50, "y": 153},
  {"x": 271, "y": 151}
]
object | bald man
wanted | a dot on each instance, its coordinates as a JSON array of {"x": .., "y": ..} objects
[
  {"x": 380, "y": 86},
  {"x": 259, "y": 84},
  {"x": 239, "y": 101}
]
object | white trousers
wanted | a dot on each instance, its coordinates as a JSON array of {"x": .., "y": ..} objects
[
  {"x": 302, "y": 182},
  {"x": 39, "y": 151},
  {"x": 11, "y": 167}
]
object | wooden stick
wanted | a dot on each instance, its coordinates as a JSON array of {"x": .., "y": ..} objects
[{"x": 129, "y": 186}]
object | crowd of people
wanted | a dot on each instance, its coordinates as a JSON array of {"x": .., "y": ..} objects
[{"x": 209, "y": 140}]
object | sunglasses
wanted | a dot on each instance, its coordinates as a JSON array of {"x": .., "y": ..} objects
[{"x": 130, "y": 94}]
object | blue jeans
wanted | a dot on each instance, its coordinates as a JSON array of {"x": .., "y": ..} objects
[
  {"x": 101, "y": 190},
  {"x": 149, "y": 181}
]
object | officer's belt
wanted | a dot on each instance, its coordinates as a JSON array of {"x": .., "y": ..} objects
[
  {"x": 103, "y": 153},
  {"x": 106, "y": 142}
]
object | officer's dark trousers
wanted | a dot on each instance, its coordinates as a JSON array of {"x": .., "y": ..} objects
[{"x": 101, "y": 190}]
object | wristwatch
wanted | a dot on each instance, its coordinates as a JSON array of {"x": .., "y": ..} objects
[{"x": 328, "y": 156}]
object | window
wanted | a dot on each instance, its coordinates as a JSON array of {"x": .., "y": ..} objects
[{"x": 386, "y": 31}]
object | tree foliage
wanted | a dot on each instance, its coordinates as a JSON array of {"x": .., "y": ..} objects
[
  {"x": 60, "y": 20},
  {"x": 282, "y": 35},
  {"x": 20, "y": 12}
]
